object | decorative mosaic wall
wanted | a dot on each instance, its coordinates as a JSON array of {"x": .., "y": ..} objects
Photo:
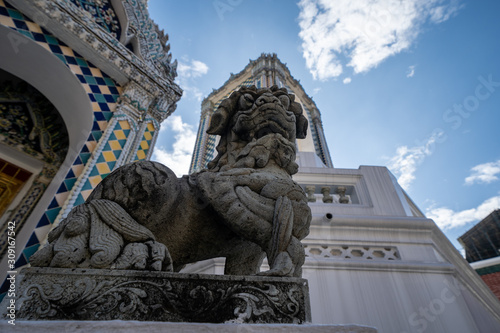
[
  {"x": 106, "y": 161},
  {"x": 198, "y": 152},
  {"x": 103, "y": 93},
  {"x": 103, "y": 14},
  {"x": 29, "y": 122},
  {"x": 144, "y": 146},
  {"x": 314, "y": 135}
]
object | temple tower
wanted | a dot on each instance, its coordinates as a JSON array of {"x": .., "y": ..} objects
[{"x": 264, "y": 72}]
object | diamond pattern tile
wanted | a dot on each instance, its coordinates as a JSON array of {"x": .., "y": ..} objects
[
  {"x": 145, "y": 144},
  {"x": 102, "y": 92}
]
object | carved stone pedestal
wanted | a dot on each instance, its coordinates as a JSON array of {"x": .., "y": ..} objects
[{"x": 99, "y": 294}]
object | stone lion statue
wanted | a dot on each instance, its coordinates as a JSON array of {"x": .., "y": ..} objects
[{"x": 243, "y": 207}]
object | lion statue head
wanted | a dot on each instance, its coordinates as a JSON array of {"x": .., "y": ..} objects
[{"x": 258, "y": 129}]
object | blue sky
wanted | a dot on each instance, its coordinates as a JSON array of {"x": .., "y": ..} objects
[{"x": 412, "y": 86}]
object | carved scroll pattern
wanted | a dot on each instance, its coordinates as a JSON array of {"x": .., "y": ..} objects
[{"x": 160, "y": 300}]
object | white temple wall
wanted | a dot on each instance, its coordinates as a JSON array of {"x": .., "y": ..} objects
[{"x": 377, "y": 261}]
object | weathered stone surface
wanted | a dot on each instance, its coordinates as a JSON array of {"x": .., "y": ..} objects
[
  {"x": 155, "y": 327},
  {"x": 244, "y": 206},
  {"x": 103, "y": 294}
]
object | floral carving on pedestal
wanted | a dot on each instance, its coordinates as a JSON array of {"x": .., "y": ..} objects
[{"x": 101, "y": 295}]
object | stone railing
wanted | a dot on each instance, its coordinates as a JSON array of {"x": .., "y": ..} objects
[
  {"x": 336, "y": 194},
  {"x": 352, "y": 252}
]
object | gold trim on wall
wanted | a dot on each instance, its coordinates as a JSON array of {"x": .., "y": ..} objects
[{"x": 12, "y": 179}]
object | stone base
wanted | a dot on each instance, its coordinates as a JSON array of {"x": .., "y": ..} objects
[
  {"x": 155, "y": 327},
  {"x": 100, "y": 294}
]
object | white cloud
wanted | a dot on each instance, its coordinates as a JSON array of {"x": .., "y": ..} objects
[
  {"x": 411, "y": 71},
  {"x": 195, "y": 69},
  {"x": 187, "y": 70},
  {"x": 192, "y": 91},
  {"x": 179, "y": 158},
  {"x": 366, "y": 32},
  {"x": 347, "y": 80},
  {"x": 447, "y": 218},
  {"x": 404, "y": 163},
  {"x": 484, "y": 173},
  {"x": 440, "y": 14}
]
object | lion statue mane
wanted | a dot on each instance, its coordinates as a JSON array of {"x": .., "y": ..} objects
[{"x": 244, "y": 206}]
